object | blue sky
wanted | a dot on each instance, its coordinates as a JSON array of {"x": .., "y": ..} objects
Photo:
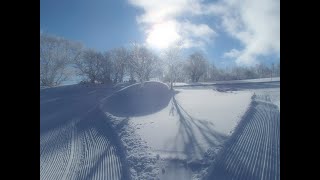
[{"x": 229, "y": 32}]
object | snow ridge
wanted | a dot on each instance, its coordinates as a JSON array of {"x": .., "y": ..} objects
[{"x": 253, "y": 152}]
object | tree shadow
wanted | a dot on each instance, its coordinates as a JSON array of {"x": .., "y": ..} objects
[
  {"x": 191, "y": 129},
  {"x": 98, "y": 121},
  {"x": 78, "y": 110}
]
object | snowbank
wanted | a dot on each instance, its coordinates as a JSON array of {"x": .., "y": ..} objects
[{"x": 137, "y": 100}]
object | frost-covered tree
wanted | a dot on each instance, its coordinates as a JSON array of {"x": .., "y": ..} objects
[
  {"x": 263, "y": 70},
  {"x": 90, "y": 65},
  {"x": 173, "y": 61},
  {"x": 119, "y": 58},
  {"x": 180, "y": 73},
  {"x": 278, "y": 69},
  {"x": 196, "y": 66},
  {"x": 56, "y": 56},
  {"x": 214, "y": 73},
  {"x": 142, "y": 62},
  {"x": 250, "y": 73},
  {"x": 104, "y": 75}
]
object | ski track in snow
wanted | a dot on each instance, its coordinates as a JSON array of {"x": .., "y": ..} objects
[
  {"x": 254, "y": 150},
  {"x": 251, "y": 154},
  {"x": 54, "y": 151},
  {"x": 85, "y": 147},
  {"x": 70, "y": 154},
  {"x": 81, "y": 149}
]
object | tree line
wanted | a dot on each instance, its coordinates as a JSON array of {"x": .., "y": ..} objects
[{"x": 61, "y": 58}]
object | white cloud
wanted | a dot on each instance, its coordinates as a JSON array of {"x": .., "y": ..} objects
[
  {"x": 156, "y": 11},
  {"x": 168, "y": 11},
  {"x": 255, "y": 23},
  {"x": 195, "y": 35},
  {"x": 197, "y": 30},
  {"x": 233, "y": 53}
]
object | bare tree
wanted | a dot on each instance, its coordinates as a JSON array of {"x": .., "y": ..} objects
[
  {"x": 172, "y": 58},
  {"x": 278, "y": 69},
  {"x": 158, "y": 71},
  {"x": 263, "y": 70},
  {"x": 91, "y": 65},
  {"x": 196, "y": 66},
  {"x": 180, "y": 73},
  {"x": 119, "y": 58},
  {"x": 104, "y": 75},
  {"x": 56, "y": 55},
  {"x": 213, "y": 73},
  {"x": 142, "y": 62}
]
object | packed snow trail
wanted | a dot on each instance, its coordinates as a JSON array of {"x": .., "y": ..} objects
[
  {"x": 166, "y": 133},
  {"x": 76, "y": 141},
  {"x": 253, "y": 152},
  {"x": 181, "y": 137}
]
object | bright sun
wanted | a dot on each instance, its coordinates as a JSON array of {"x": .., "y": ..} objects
[{"x": 162, "y": 35}]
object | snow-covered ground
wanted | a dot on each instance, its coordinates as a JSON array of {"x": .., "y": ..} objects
[
  {"x": 76, "y": 141},
  {"x": 193, "y": 121},
  {"x": 177, "y": 135},
  {"x": 260, "y": 80},
  {"x": 253, "y": 152},
  {"x": 149, "y": 132}
]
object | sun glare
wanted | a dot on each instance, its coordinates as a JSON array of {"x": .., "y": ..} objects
[{"x": 162, "y": 35}]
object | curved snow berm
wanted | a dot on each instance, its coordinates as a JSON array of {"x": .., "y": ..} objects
[
  {"x": 253, "y": 152},
  {"x": 137, "y": 100}
]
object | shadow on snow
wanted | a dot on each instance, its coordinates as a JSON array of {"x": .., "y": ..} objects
[
  {"x": 138, "y": 101},
  {"x": 190, "y": 129}
]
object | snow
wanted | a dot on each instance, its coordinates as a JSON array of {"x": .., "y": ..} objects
[
  {"x": 142, "y": 163},
  {"x": 150, "y": 132},
  {"x": 212, "y": 111},
  {"x": 215, "y": 107},
  {"x": 181, "y": 126},
  {"x": 274, "y": 79},
  {"x": 76, "y": 141},
  {"x": 136, "y": 101},
  {"x": 271, "y": 95},
  {"x": 253, "y": 152}
]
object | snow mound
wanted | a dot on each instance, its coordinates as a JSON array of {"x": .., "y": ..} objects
[
  {"x": 137, "y": 100},
  {"x": 142, "y": 163}
]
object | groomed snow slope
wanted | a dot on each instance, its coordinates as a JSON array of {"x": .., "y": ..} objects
[
  {"x": 76, "y": 140},
  {"x": 254, "y": 150},
  {"x": 193, "y": 121},
  {"x": 184, "y": 127},
  {"x": 104, "y": 132}
]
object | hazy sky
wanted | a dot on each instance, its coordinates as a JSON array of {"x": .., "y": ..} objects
[{"x": 241, "y": 32}]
